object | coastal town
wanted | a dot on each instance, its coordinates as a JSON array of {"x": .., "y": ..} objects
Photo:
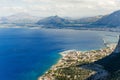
[{"x": 77, "y": 65}]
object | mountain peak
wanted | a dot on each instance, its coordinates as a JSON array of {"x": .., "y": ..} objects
[
  {"x": 55, "y": 17},
  {"x": 53, "y": 21}
]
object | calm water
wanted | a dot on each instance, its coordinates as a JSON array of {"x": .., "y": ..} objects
[{"x": 26, "y": 54}]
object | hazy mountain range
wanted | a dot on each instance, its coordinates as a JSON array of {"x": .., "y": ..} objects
[
  {"x": 20, "y": 18},
  {"x": 110, "y": 20},
  {"x": 56, "y": 21}
]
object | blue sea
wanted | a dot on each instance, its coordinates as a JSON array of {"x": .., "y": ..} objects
[{"x": 25, "y": 54}]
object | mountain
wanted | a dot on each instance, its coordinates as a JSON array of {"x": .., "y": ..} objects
[
  {"x": 53, "y": 21},
  {"x": 88, "y": 20},
  {"x": 56, "y": 21},
  {"x": 20, "y": 18},
  {"x": 111, "y": 20}
]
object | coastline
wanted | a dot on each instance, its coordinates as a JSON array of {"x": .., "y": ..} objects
[
  {"x": 55, "y": 62},
  {"x": 61, "y": 63},
  {"x": 71, "y": 58}
]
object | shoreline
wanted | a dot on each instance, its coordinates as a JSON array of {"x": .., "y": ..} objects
[
  {"x": 74, "y": 57},
  {"x": 62, "y": 56},
  {"x": 107, "y": 46}
]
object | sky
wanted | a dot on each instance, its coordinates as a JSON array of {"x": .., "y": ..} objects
[{"x": 65, "y": 8}]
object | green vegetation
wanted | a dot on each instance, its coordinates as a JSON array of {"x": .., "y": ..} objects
[{"x": 71, "y": 73}]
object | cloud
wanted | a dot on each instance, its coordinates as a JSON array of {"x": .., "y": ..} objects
[
  {"x": 5, "y": 11},
  {"x": 73, "y": 8}
]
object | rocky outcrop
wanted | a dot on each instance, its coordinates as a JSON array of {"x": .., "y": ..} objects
[{"x": 117, "y": 49}]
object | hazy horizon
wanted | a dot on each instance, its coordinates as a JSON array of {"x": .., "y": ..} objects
[{"x": 63, "y": 8}]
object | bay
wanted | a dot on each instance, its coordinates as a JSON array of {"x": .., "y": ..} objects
[{"x": 25, "y": 54}]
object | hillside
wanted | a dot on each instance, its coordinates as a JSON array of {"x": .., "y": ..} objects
[
  {"x": 88, "y": 20},
  {"x": 111, "y": 20},
  {"x": 53, "y": 21},
  {"x": 56, "y": 21}
]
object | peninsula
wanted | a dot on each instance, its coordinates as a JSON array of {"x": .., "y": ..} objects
[{"x": 77, "y": 65}]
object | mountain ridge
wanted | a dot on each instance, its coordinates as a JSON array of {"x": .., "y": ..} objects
[
  {"x": 111, "y": 20},
  {"x": 100, "y": 21},
  {"x": 53, "y": 21}
]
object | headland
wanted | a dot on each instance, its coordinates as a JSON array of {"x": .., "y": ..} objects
[{"x": 78, "y": 65}]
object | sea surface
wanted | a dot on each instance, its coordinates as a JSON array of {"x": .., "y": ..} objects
[{"x": 25, "y": 54}]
